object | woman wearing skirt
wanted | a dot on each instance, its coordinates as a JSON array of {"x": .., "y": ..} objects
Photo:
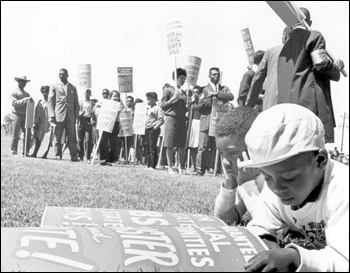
[
  {"x": 193, "y": 126},
  {"x": 174, "y": 107}
]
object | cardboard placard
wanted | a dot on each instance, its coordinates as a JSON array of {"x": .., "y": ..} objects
[
  {"x": 248, "y": 44},
  {"x": 107, "y": 115},
  {"x": 219, "y": 109},
  {"x": 139, "y": 125},
  {"x": 125, "y": 79},
  {"x": 84, "y": 75},
  {"x": 174, "y": 37},
  {"x": 125, "y": 124},
  {"x": 192, "y": 68}
]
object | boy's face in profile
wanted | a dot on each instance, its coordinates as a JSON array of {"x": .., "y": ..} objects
[
  {"x": 293, "y": 179},
  {"x": 231, "y": 148}
]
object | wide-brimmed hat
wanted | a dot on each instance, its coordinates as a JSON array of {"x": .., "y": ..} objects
[
  {"x": 24, "y": 78},
  {"x": 282, "y": 131}
]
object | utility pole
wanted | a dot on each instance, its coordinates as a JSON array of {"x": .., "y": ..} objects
[{"x": 342, "y": 133}]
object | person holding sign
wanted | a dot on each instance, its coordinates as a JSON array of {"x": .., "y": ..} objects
[
  {"x": 305, "y": 71},
  {"x": 154, "y": 119},
  {"x": 207, "y": 147},
  {"x": 63, "y": 106},
  {"x": 309, "y": 192},
  {"x": 248, "y": 77},
  {"x": 41, "y": 120},
  {"x": 19, "y": 98},
  {"x": 174, "y": 106},
  {"x": 109, "y": 146}
]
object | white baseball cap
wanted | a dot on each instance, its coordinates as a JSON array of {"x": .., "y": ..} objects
[{"x": 282, "y": 131}]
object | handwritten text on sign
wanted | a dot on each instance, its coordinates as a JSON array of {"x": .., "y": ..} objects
[
  {"x": 107, "y": 115},
  {"x": 125, "y": 124},
  {"x": 125, "y": 79},
  {"x": 219, "y": 109},
  {"x": 84, "y": 75},
  {"x": 248, "y": 44},
  {"x": 192, "y": 69},
  {"x": 174, "y": 36},
  {"x": 139, "y": 124}
]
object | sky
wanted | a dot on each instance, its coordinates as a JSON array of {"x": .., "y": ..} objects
[{"x": 40, "y": 38}]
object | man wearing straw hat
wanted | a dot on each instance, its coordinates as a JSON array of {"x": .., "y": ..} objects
[{"x": 19, "y": 98}]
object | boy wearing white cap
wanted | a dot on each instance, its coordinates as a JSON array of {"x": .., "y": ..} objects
[{"x": 311, "y": 192}]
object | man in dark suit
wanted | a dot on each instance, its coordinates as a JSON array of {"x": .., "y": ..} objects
[
  {"x": 248, "y": 77},
  {"x": 207, "y": 147},
  {"x": 63, "y": 106}
]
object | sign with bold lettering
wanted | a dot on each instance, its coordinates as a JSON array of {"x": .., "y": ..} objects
[
  {"x": 125, "y": 124},
  {"x": 88, "y": 239},
  {"x": 84, "y": 75},
  {"x": 29, "y": 122},
  {"x": 183, "y": 247},
  {"x": 107, "y": 115},
  {"x": 248, "y": 44},
  {"x": 218, "y": 110},
  {"x": 192, "y": 69},
  {"x": 139, "y": 124},
  {"x": 174, "y": 37},
  {"x": 125, "y": 79}
]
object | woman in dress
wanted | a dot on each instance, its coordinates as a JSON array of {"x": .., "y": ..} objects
[{"x": 174, "y": 107}]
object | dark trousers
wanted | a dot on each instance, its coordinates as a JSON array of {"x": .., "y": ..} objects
[
  {"x": 110, "y": 145},
  {"x": 151, "y": 136},
  {"x": 206, "y": 152},
  {"x": 70, "y": 133},
  {"x": 85, "y": 138},
  {"x": 18, "y": 124}
]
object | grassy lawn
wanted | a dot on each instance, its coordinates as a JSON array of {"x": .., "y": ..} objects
[{"x": 30, "y": 184}]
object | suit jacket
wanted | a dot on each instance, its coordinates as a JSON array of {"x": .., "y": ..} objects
[
  {"x": 267, "y": 70},
  {"x": 245, "y": 85},
  {"x": 305, "y": 71},
  {"x": 61, "y": 103},
  {"x": 224, "y": 94}
]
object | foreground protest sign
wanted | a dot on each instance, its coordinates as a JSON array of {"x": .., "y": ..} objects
[
  {"x": 291, "y": 15},
  {"x": 84, "y": 75},
  {"x": 135, "y": 241},
  {"x": 139, "y": 124},
  {"x": 248, "y": 44},
  {"x": 125, "y": 79},
  {"x": 163, "y": 248},
  {"x": 125, "y": 124},
  {"x": 192, "y": 68}
]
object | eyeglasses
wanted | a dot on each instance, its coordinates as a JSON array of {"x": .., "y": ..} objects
[{"x": 105, "y": 94}]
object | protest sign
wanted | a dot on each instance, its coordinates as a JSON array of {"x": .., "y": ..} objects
[
  {"x": 107, "y": 115},
  {"x": 192, "y": 69},
  {"x": 248, "y": 44},
  {"x": 139, "y": 124},
  {"x": 219, "y": 109},
  {"x": 84, "y": 75},
  {"x": 69, "y": 216},
  {"x": 125, "y": 124},
  {"x": 87, "y": 239},
  {"x": 183, "y": 247},
  {"x": 125, "y": 79},
  {"x": 174, "y": 36},
  {"x": 29, "y": 122}
]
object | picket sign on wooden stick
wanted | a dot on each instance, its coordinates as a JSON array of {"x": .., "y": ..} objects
[{"x": 100, "y": 132}]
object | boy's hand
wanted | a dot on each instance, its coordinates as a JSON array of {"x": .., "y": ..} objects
[
  {"x": 276, "y": 260},
  {"x": 230, "y": 175},
  {"x": 246, "y": 174}
]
